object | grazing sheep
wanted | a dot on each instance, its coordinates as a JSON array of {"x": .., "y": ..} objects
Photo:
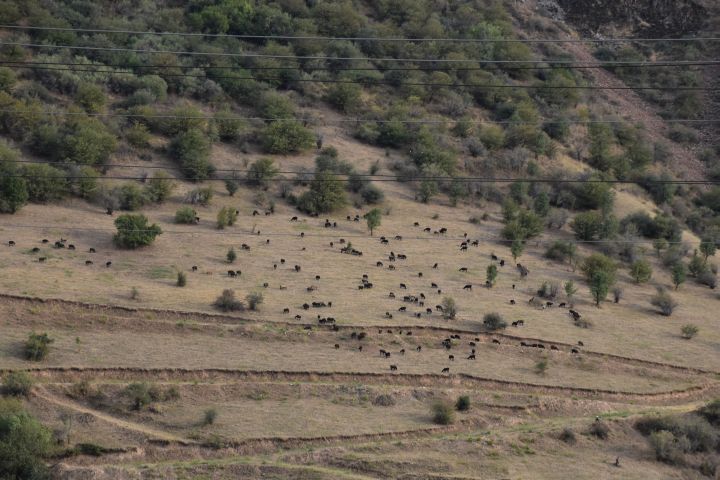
[
  {"x": 463, "y": 269},
  {"x": 393, "y": 368},
  {"x": 286, "y": 310},
  {"x": 471, "y": 356},
  {"x": 553, "y": 347},
  {"x": 581, "y": 343},
  {"x": 451, "y": 358},
  {"x": 35, "y": 250},
  {"x": 42, "y": 259},
  {"x": 337, "y": 346},
  {"x": 108, "y": 264},
  {"x": 403, "y": 286},
  {"x": 467, "y": 287},
  {"x": 512, "y": 302},
  {"x": 298, "y": 317},
  {"x": 379, "y": 264},
  {"x": 493, "y": 256},
  {"x": 88, "y": 262},
  {"x": 418, "y": 348},
  {"x": 45, "y": 240},
  {"x": 305, "y": 306},
  {"x": 294, "y": 219},
  {"x": 402, "y": 309},
  {"x": 495, "y": 340},
  {"x": 297, "y": 268},
  {"x": 282, "y": 261},
  {"x": 71, "y": 247},
  {"x": 574, "y": 350},
  {"x": 231, "y": 273},
  {"x": 446, "y": 370}
]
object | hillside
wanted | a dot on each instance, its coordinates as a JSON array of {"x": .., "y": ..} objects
[{"x": 295, "y": 239}]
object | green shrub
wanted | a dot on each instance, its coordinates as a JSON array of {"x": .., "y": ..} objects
[
  {"x": 641, "y": 271},
  {"x": 185, "y": 215},
  {"x": 711, "y": 412},
  {"x": 541, "y": 366},
  {"x": 326, "y": 194},
  {"x": 384, "y": 400},
  {"x": 228, "y": 127},
  {"x": 286, "y": 136},
  {"x": 231, "y": 255},
  {"x": 561, "y": 251},
  {"x": 37, "y": 346},
  {"x": 345, "y": 97},
  {"x": 133, "y": 231},
  {"x": 181, "y": 279},
  {"x": 191, "y": 150},
  {"x": 159, "y": 187},
  {"x": 45, "y": 183},
  {"x": 491, "y": 274},
  {"x": 689, "y": 331},
  {"x": 18, "y": 384},
  {"x": 667, "y": 447},
  {"x": 232, "y": 186},
  {"x": 442, "y": 413},
  {"x": 226, "y": 217},
  {"x": 13, "y": 189},
  {"x": 86, "y": 141},
  {"x": 24, "y": 443},
  {"x": 201, "y": 196},
  {"x": 227, "y": 302},
  {"x": 463, "y": 403},
  {"x": 494, "y": 321},
  {"x": 254, "y": 300},
  {"x": 261, "y": 171},
  {"x": 130, "y": 197},
  {"x": 139, "y": 394},
  {"x": 138, "y": 135},
  {"x": 7, "y": 79},
  {"x": 209, "y": 416},
  {"x": 90, "y": 96}
]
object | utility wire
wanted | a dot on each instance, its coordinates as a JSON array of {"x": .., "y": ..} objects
[
  {"x": 340, "y": 120},
  {"x": 397, "y": 178},
  {"x": 337, "y": 236},
  {"x": 291, "y": 57},
  {"x": 551, "y": 66},
  {"x": 364, "y": 39}
]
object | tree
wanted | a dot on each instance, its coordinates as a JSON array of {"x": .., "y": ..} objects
[
  {"x": 325, "y": 195},
  {"x": 660, "y": 244},
  {"x": 600, "y": 283},
  {"x": 185, "y": 215},
  {"x": 191, "y": 150},
  {"x": 90, "y": 96},
  {"x": 45, "y": 183},
  {"x": 525, "y": 225},
  {"x": 428, "y": 189},
  {"x": 231, "y": 185},
  {"x": 442, "y": 413},
  {"x": 697, "y": 265},
  {"x": 261, "y": 171},
  {"x": 587, "y": 225},
  {"x": 570, "y": 289},
  {"x": 130, "y": 196},
  {"x": 226, "y": 217},
  {"x": 133, "y": 231},
  {"x": 516, "y": 249},
  {"x": 139, "y": 394},
  {"x": 600, "y": 273},
  {"x": 491, "y": 274},
  {"x": 24, "y": 443},
  {"x": 641, "y": 271},
  {"x": 86, "y": 141},
  {"x": 541, "y": 205},
  {"x": 679, "y": 274},
  {"x": 373, "y": 218},
  {"x": 345, "y": 97},
  {"x": 494, "y": 321},
  {"x": 708, "y": 248},
  {"x": 254, "y": 300},
  {"x": 37, "y": 346},
  {"x": 450, "y": 308},
  {"x": 286, "y": 136},
  {"x": 231, "y": 256},
  {"x": 227, "y": 302},
  {"x": 159, "y": 187},
  {"x": 13, "y": 189}
]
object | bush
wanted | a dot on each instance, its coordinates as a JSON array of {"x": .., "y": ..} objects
[
  {"x": 664, "y": 301},
  {"x": 231, "y": 255},
  {"x": 191, "y": 150},
  {"x": 45, "y": 183},
  {"x": 138, "y": 135},
  {"x": 130, "y": 197},
  {"x": 13, "y": 189},
  {"x": 227, "y": 302},
  {"x": 286, "y": 136},
  {"x": 90, "y": 96},
  {"x": 699, "y": 434},
  {"x": 181, "y": 279},
  {"x": 689, "y": 331},
  {"x": 384, "y": 400},
  {"x": 326, "y": 194},
  {"x": 254, "y": 300},
  {"x": 667, "y": 447},
  {"x": 209, "y": 416},
  {"x": 86, "y": 141},
  {"x": 231, "y": 185},
  {"x": 494, "y": 321},
  {"x": 371, "y": 194},
  {"x": 463, "y": 403},
  {"x": 18, "y": 384},
  {"x": 641, "y": 271},
  {"x": 442, "y": 413},
  {"x": 37, "y": 346},
  {"x": 200, "y": 196},
  {"x": 541, "y": 366},
  {"x": 561, "y": 251},
  {"x": 139, "y": 394},
  {"x": 261, "y": 171},
  {"x": 491, "y": 274},
  {"x": 568, "y": 436},
  {"x": 133, "y": 231},
  {"x": 226, "y": 217},
  {"x": 449, "y": 308},
  {"x": 711, "y": 412},
  {"x": 24, "y": 443},
  {"x": 185, "y": 215},
  {"x": 159, "y": 187},
  {"x": 707, "y": 277},
  {"x": 599, "y": 429}
]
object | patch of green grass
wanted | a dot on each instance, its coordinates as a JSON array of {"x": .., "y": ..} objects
[
  {"x": 521, "y": 449},
  {"x": 157, "y": 273}
]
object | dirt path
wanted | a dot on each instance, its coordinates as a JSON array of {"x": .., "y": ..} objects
[{"x": 135, "y": 427}]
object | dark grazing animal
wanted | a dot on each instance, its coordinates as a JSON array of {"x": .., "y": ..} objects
[
  {"x": 108, "y": 264},
  {"x": 495, "y": 340},
  {"x": 42, "y": 259},
  {"x": 194, "y": 268},
  {"x": 471, "y": 356},
  {"x": 575, "y": 350},
  {"x": 92, "y": 250},
  {"x": 451, "y": 358},
  {"x": 462, "y": 269},
  {"x": 446, "y": 370},
  {"x": 88, "y": 262},
  {"x": 467, "y": 287},
  {"x": 35, "y": 250},
  {"x": 393, "y": 368}
]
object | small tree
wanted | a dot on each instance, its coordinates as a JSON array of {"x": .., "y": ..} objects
[
  {"x": 697, "y": 265},
  {"x": 24, "y": 443},
  {"x": 18, "y": 384},
  {"x": 227, "y": 302},
  {"x": 449, "y": 308},
  {"x": 659, "y": 245},
  {"x": 641, "y": 271},
  {"x": 226, "y": 217},
  {"x": 516, "y": 249},
  {"x": 494, "y": 321},
  {"x": 428, "y": 189},
  {"x": 373, "y": 218},
  {"x": 261, "y": 171},
  {"x": 254, "y": 300},
  {"x": 664, "y": 301},
  {"x": 133, "y": 231},
  {"x": 689, "y": 331},
  {"x": 159, "y": 187},
  {"x": 618, "y": 294},
  {"x": 463, "y": 403},
  {"x": 600, "y": 283},
  {"x": 181, "y": 279},
  {"x": 231, "y": 185},
  {"x": 231, "y": 256},
  {"x": 570, "y": 289},
  {"x": 708, "y": 248},
  {"x": 185, "y": 215},
  {"x": 491, "y": 274},
  {"x": 139, "y": 394},
  {"x": 679, "y": 274},
  {"x": 37, "y": 346},
  {"x": 541, "y": 366},
  {"x": 442, "y": 413}
]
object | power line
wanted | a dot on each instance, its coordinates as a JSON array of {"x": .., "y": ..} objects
[
  {"x": 553, "y": 64},
  {"x": 338, "y": 235},
  {"x": 394, "y": 178},
  {"x": 364, "y": 39},
  {"x": 340, "y": 120},
  {"x": 292, "y": 57}
]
